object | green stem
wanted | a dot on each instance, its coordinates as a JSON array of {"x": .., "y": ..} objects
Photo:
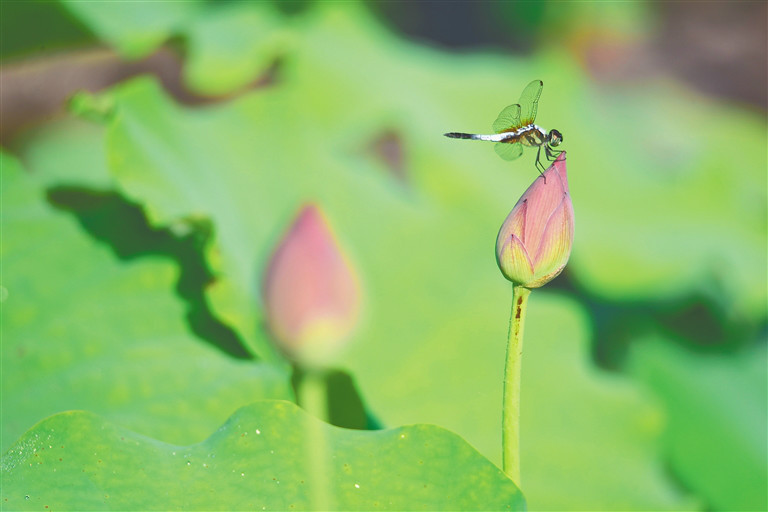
[
  {"x": 510, "y": 424},
  {"x": 313, "y": 394}
]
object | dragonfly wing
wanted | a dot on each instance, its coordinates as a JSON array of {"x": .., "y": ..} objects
[
  {"x": 509, "y": 119},
  {"x": 508, "y": 151},
  {"x": 529, "y": 102}
]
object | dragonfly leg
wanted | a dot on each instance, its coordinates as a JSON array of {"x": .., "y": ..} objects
[
  {"x": 552, "y": 153},
  {"x": 539, "y": 166}
]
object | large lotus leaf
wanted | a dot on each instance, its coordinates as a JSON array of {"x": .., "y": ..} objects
[
  {"x": 442, "y": 300},
  {"x": 267, "y": 456},
  {"x": 718, "y": 419},
  {"x": 665, "y": 206},
  {"x": 82, "y": 329},
  {"x": 589, "y": 439},
  {"x": 179, "y": 162},
  {"x": 670, "y": 208},
  {"x": 656, "y": 164},
  {"x": 654, "y": 183},
  {"x": 248, "y": 165}
]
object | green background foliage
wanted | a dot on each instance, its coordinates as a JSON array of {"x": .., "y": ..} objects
[{"x": 137, "y": 231}]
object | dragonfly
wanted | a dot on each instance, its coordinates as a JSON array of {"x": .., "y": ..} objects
[{"x": 515, "y": 128}]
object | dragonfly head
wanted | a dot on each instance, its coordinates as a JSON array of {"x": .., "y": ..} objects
[{"x": 554, "y": 138}]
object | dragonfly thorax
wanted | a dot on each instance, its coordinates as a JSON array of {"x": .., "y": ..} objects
[
  {"x": 534, "y": 135},
  {"x": 531, "y": 135}
]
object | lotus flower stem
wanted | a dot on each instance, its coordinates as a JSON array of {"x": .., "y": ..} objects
[
  {"x": 510, "y": 423},
  {"x": 313, "y": 394}
]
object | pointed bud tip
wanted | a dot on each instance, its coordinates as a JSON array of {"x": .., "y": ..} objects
[{"x": 558, "y": 169}]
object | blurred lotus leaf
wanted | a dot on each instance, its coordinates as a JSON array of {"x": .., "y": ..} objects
[
  {"x": 655, "y": 189},
  {"x": 589, "y": 439},
  {"x": 66, "y": 152},
  {"x": 229, "y": 46},
  {"x": 716, "y": 409}
]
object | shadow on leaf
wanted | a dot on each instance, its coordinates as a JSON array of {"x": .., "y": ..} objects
[
  {"x": 345, "y": 405},
  {"x": 111, "y": 219}
]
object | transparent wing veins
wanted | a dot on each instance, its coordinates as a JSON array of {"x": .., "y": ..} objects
[
  {"x": 508, "y": 150},
  {"x": 529, "y": 102},
  {"x": 508, "y": 119}
]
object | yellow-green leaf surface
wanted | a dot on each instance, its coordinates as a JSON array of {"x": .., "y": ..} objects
[
  {"x": 589, "y": 440},
  {"x": 718, "y": 418},
  {"x": 424, "y": 249},
  {"x": 267, "y": 456},
  {"x": 655, "y": 193},
  {"x": 658, "y": 215},
  {"x": 84, "y": 330}
]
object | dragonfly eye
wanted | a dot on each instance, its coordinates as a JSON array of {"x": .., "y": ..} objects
[{"x": 555, "y": 138}]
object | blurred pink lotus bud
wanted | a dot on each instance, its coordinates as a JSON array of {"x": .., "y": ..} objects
[
  {"x": 535, "y": 241},
  {"x": 310, "y": 292}
]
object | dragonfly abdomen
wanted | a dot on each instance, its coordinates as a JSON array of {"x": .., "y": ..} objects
[
  {"x": 496, "y": 137},
  {"x": 458, "y": 135}
]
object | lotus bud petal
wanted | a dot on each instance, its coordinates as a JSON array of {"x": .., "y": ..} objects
[
  {"x": 311, "y": 294},
  {"x": 534, "y": 243}
]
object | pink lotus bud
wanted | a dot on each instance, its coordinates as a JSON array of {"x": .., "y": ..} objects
[
  {"x": 310, "y": 292},
  {"x": 535, "y": 241}
]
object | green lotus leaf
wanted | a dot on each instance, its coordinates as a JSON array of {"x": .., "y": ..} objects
[
  {"x": 235, "y": 165},
  {"x": 601, "y": 428},
  {"x": 718, "y": 417},
  {"x": 654, "y": 192},
  {"x": 85, "y": 330},
  {"x": 355, "y": 123},
  {"x": 267, "y": 456}
]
